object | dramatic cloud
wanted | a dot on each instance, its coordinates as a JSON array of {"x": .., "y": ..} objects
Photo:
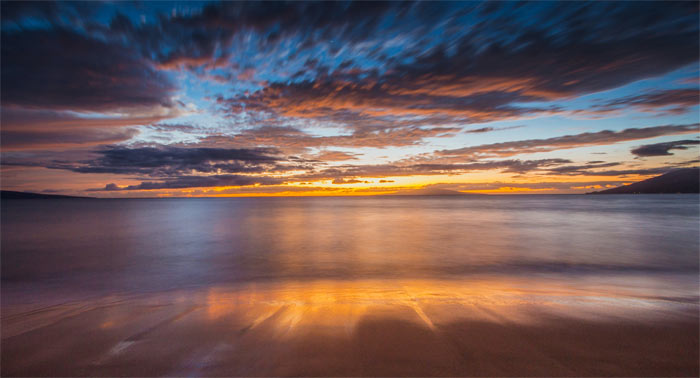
[
  {"x": 176, "y": 162},
  {"x": 663, "y": 149},
  {"x": 198, "y": 39},
  {"x": 474, "y": 79},
  {"x": 272, "y": 95},
  {"x": 63, "y": 70},
  {"x": 184, "y": 182},
  {"x": 172, "y": 161},
  {"x": 373, "y": 98},
  {"x": 529, "y": 146}
]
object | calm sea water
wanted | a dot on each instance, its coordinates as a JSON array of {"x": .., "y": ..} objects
[{"x": 142, "y": 245}]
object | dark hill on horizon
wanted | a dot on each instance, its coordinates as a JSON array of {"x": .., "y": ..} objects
[
  {"x": 9, "y": 194},
  {"x": 683, "y": 180}
]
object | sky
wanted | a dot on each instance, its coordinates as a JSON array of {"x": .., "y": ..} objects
[{"x": 158, "y": 99}]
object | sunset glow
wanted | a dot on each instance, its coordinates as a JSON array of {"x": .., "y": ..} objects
[{"x": 335, "y": 98}]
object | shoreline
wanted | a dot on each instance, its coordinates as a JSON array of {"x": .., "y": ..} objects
[{"x": 366, "y": 328}]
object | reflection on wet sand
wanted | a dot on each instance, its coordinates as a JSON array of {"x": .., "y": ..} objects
[{"x": 350, "y": 328}]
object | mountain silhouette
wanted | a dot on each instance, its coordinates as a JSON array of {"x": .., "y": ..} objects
[{"x": 684, "y": 180}]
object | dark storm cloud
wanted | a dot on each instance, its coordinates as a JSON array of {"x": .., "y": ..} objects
[
  {"x": 64, "y": 70},
  {"x": 173, "y": 161},
  {"x": 565, "y": 142},
  {"x": 184, "y": 182},
  {"x": 663, "y": 149}
]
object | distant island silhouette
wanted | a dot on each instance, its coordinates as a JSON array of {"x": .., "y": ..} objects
[
  {"x": 684, "y": 180},
  {"x": 9, "y": 194}
]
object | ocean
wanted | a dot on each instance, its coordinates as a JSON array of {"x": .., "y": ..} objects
[
  {"x": 296, "y": 267},
  {"x": 159, "y": 244}
]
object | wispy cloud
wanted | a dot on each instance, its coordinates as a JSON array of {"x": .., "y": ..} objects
[
  {"x": 663, "y": 149},
  {"x": 529, "y": 146},
  {"x": 675, "y": 101}
]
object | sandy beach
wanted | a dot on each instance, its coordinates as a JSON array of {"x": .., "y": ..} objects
[{"x": 357, "y": 328}]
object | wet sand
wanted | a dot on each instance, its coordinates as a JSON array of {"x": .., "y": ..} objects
[{"x": 354, "y": 328}]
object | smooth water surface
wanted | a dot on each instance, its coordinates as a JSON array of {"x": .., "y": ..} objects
[
  {"x": 482, "y": 285},
  {"x": 157, "y": 244}
]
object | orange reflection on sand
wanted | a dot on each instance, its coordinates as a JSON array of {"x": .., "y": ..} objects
[
  {"x": 354, "y": 328},
  {"x": 338, "y": 306}
]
